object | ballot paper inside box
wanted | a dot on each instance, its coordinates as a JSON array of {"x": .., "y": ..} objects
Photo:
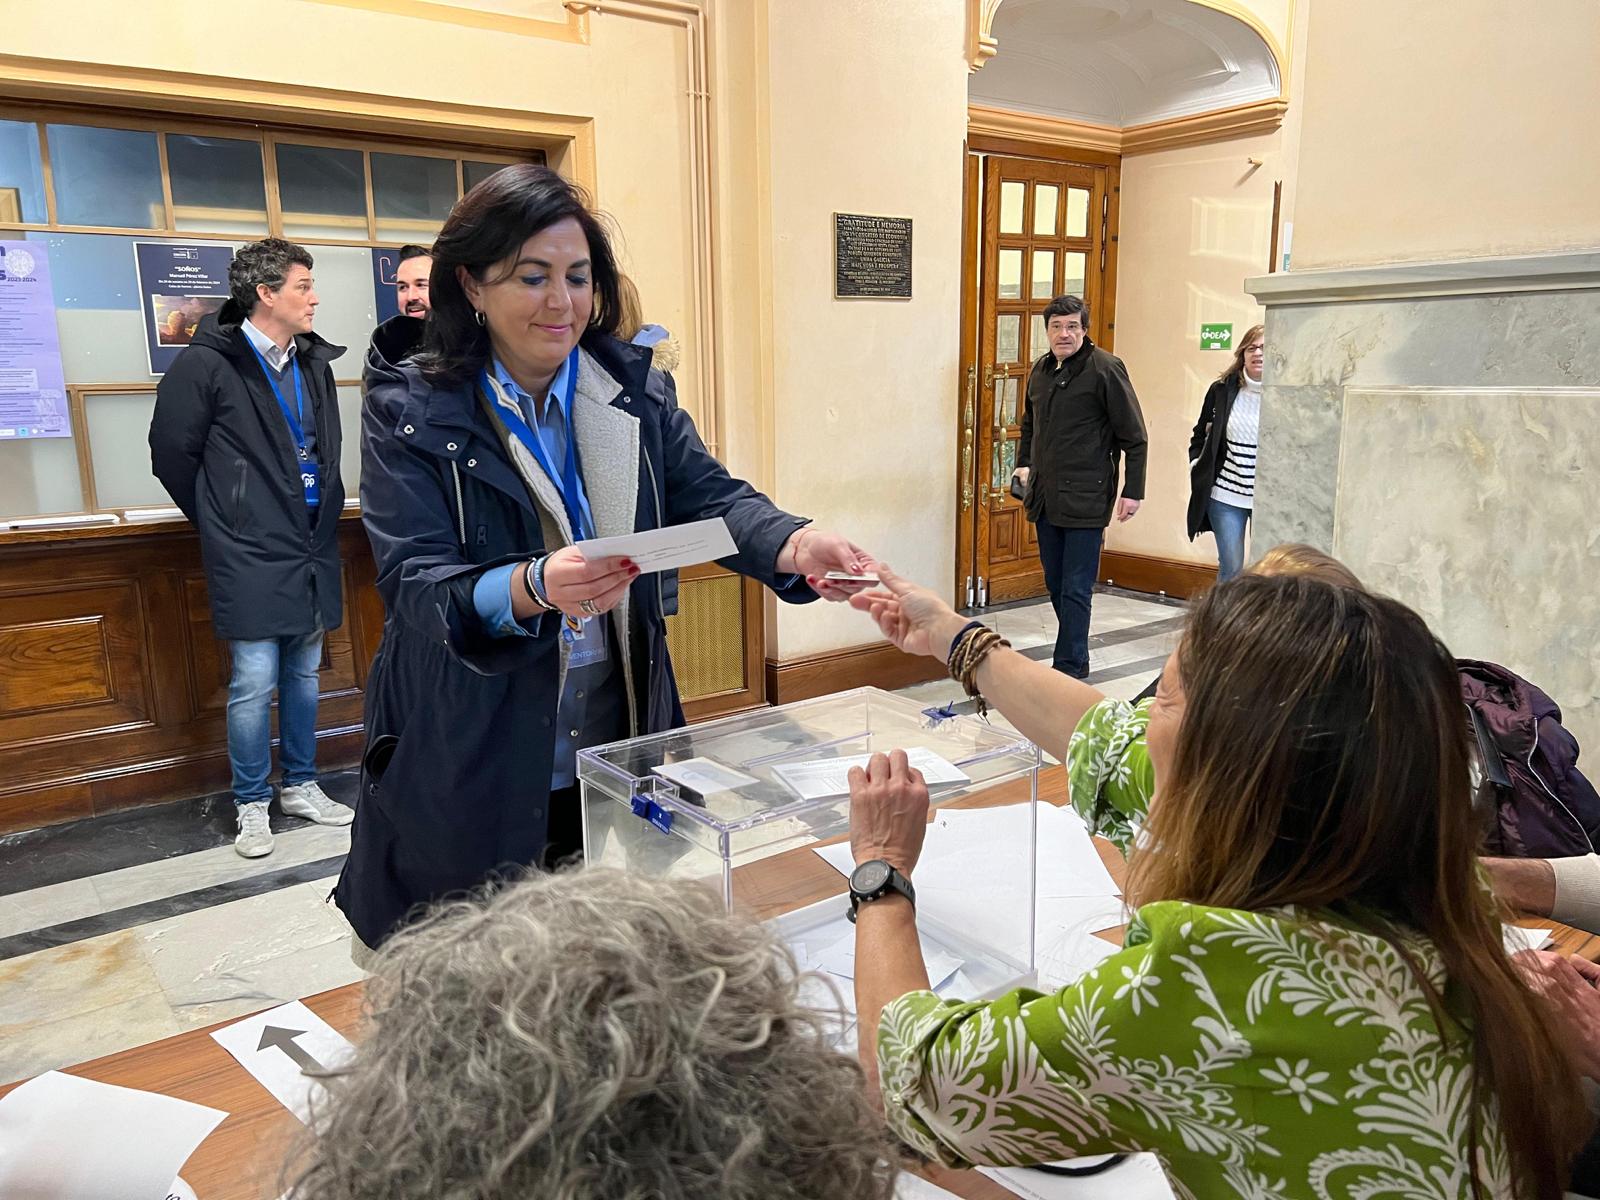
[{"x": 743, "y": 803}]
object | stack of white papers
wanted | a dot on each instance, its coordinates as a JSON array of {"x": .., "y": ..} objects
[{"x": 970, "y": 878}]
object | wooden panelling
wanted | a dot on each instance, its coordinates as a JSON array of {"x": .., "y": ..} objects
[
  {"x": 716, "y": 642},
  {"x": 69, "y": 659},
  {"x": 1158, "y": 576},
  {"x": 875, "y": 665},
  {"x": 1003, "y": 534},
  {"x": 114, "y": 690},
  {"x": 53, "y": 664}
]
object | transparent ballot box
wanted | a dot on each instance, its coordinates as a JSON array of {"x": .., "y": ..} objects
[{"x": 757, "y": 806}]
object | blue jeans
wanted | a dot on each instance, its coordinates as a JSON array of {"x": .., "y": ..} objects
[
  {"x": 1071, "y": 560},
  {"x": 290, "y": 665},
  {"x": 1228, "y": 522}
]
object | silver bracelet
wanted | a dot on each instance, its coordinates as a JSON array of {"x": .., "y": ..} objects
[{"x": 528, "y": 583}]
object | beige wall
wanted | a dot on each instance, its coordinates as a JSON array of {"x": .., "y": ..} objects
[
  {"x": 868, "y": 104},
  {"x": 1195, "y": 222},
  {"x": 631, "y": 80},
  {"x": 1448, "y": 128},
  {"x": 844, "y": 411}
]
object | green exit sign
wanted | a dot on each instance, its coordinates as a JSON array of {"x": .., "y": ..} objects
[{"x": 1216, "y": 337}]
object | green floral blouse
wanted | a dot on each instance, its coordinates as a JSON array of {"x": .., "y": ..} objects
[
  {"x": 1109, "y": 775},
  {"x": 1269, "y": 1055}
]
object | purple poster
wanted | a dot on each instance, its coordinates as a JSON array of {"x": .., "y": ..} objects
[
  {"x": 178, "y": 287},
  {"x": 33, "y": 389}
]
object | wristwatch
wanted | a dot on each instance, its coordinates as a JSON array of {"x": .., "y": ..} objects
[{"x": 875, "y": 879}]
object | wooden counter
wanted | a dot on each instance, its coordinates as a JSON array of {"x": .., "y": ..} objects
[{"x": 113, "y": 689}]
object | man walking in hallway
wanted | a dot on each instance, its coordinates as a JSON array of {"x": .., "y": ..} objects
[
  {"x": 245, "y": 438},
  {"x": 1079, "y": 416}
]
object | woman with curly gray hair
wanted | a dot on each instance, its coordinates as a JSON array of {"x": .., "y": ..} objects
[{"x": 593, "y": 1034}]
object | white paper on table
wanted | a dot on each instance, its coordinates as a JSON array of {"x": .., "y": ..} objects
[
  {"x": 1069, "y": 864},
  {"x": 66, "y": 1138},
  {"x": 972, "y": 874},
  {"x": 704, "y": 775},
  {"x": 275, "y": 1045},
  {"x": 1519, "y": 938},
  {"x": 822, "y": 778},
  {"x": 1137, "y": 1177},
  {"x": 667, "y": 549},
  {"x": 1067, "y": 958},
  {"x": 181, "y": 1190},
  {"x": 986, "y": 838},
  {"x": 914, "y": 1187}
]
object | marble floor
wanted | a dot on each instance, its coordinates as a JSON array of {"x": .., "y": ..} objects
[{"x": 120, "y": 930}]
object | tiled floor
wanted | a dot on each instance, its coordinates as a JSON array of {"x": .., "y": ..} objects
[{"x": 124, "y": 929}]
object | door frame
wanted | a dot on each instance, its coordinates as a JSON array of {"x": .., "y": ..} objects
[{"x": 978, "y": 147}]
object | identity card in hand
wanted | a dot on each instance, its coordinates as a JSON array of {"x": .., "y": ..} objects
[{"x": 667, "y": 549}]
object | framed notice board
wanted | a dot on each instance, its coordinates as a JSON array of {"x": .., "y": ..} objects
[{"x": 871, "y": 257}]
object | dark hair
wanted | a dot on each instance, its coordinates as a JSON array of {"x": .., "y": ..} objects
[
  {"x": 264, "y": 263},
  {"x": 1320, "y": 762},
  {"x": 488, "y": 226},
  {"x": 410, "y": 252},
  {"x": 1066, "y": 306}
]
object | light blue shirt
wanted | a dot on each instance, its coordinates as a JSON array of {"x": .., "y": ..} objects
[
  {"x": 491, "y": 597},
  {"x": 279, "y": 361}
]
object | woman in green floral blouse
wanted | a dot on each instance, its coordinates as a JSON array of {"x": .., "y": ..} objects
[{"x": 1312, "y": 1000}]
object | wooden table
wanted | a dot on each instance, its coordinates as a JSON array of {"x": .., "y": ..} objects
[{"x": 242, "y": 1159}]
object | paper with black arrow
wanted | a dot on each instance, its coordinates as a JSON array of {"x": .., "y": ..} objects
[{"x": 286, "y": 1049}]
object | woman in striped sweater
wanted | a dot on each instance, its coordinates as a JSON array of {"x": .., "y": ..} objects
[{"x": 1222, "y": 454}]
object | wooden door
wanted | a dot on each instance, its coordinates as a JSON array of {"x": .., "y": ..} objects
[{"x": 1043, "y": 232}]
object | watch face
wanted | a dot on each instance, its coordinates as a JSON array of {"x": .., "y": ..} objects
[{"x": 869, "y": 876}]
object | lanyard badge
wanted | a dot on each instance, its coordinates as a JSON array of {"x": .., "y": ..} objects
[
  {"x": 310, "y": 472},
  {"x": 567, "y": 479}
]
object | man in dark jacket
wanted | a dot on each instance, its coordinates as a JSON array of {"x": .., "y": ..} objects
[
  {"x": 245, "y": 439},
  {"x": 1080, "y": 414},
  {"x": 400, "y": 336}
]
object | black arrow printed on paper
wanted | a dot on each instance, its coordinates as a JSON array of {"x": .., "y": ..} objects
[{"x": 284, "y": 1039}]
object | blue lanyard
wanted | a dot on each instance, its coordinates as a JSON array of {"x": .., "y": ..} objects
[
  {"x": 293, "y": 417},
  {"x": 567, "y": 480}
]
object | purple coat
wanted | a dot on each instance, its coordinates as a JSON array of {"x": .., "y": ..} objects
[{"x": 1551, "y": 811}]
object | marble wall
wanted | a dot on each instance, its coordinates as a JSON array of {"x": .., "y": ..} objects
[
  {"x": 1477, "y": 508},
  {"x": 1443, "y": 437}
]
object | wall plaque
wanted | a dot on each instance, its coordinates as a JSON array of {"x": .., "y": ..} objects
[{"x": 871, "y": 257}]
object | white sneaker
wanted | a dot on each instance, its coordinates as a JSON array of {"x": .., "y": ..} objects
[
  {"x": 254, "y": 839},
  {"x": 311, "y": 802}
]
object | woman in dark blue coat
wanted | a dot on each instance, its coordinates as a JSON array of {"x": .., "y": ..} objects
[{"x": 522, "y": 428}]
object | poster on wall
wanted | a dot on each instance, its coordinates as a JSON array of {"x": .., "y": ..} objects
[
  {"x": 385, "y": 260},
  {"x": 33, "y": 387},
  {"x": 178, "y": 286}
]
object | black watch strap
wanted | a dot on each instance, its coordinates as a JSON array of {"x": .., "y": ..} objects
[{"x": 875, "y": 879}]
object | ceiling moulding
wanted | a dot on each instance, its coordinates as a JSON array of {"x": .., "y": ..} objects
[
  {"x": 1245, "y": 120},
  {"x": 981, "y": 44},
  {"x": 1034, "y": 127},
  {"x": 574, "y": 29}
]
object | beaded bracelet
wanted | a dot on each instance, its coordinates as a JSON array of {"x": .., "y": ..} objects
[{"x": 974, "y": 645}]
